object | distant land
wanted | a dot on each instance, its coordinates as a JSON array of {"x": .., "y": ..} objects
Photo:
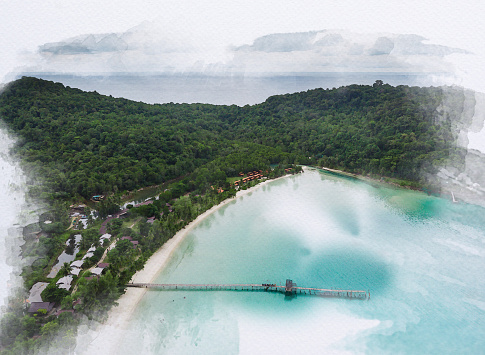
[{"x": 225, "y": 88}]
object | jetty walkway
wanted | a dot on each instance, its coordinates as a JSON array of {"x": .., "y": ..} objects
[{"x": 289, "y": 289}]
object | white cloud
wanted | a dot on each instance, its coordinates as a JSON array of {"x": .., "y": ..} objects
[
  {"x": 152, "y": 48},
  {"x": 326, "y": 50},
  {"x": 212, "y": 26}
]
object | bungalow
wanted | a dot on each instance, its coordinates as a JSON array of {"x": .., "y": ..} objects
[
  {"x": 103, "y": 265},
  {"x": 97, "y": 271},
  {"x": 105, "y": 236},
  {"x": 35, "y": 306},
  {"x": 88, "y": 255},
  {"x": 126, "y": 238},
  {"x": 65, "y": 286},
  {"x": 36, "y": 291},
  {"x": 75, "y": 271},
  {"x": 123, "y": 214},
  {"x": 77, "y": 263},
  {"x": 65, "y": 282}
]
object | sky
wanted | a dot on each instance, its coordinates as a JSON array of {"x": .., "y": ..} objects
[
  {"x": 26, "y": 25},
  {"x": 203, "y": 35}
]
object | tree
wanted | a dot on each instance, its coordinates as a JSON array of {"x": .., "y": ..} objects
[
  {"x": 30, "y": 325},
  {"x": 49, "y": 329},
  {"x": 65, "y": 269},
  {"x": 114, "y": 226},
  {"x": 52, "y": 293},
  {"x": 89, "y": 237},
  {"x": 378, "y": 83}
]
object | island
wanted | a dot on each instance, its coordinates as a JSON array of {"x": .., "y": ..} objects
[{"x": 90, "y": 155}]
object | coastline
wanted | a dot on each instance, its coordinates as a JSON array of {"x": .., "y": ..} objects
[
  {"x": 119, "y": 316},
  {"x": 383, "y": 180}
]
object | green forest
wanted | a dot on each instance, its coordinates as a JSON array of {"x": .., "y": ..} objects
[
  {"x": 83, "y": 143},
  {"x": 77, "y": 144}
]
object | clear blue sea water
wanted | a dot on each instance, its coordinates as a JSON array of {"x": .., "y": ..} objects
[{"x": 421, "y": 257}]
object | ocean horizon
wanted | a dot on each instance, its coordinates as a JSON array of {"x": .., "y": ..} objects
[{"x": 224, "y": 89}]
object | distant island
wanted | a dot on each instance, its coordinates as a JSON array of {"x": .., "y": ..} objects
[{"x": 87, "y": 154}]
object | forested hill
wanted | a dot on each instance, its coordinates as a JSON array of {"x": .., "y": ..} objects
[{"x": 84, "y": 143}]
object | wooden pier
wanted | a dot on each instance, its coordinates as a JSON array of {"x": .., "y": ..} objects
[{"x": 289, "y": 289}]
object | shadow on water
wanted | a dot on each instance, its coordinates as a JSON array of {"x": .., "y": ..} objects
[
  {"x": 345, "y": 216},
  {"x": 412, "y": 204},
  {"x": 348, "y": 269}
]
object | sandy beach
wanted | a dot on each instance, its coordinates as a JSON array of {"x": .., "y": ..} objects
[{"x": 104, "y": 338}]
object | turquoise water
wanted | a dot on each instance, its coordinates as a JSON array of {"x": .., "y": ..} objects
[{"x": 421, "y": 258}]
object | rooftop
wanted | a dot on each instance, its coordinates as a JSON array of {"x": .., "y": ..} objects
[{"x": 35, "y": 306}]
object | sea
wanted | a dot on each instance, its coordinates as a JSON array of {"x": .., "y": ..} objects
[
  {"x": 420, "y": 257},
  {"x": 225, "y": 89}
]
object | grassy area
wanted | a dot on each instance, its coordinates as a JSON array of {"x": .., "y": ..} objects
[{"x": 232, "y": 179}]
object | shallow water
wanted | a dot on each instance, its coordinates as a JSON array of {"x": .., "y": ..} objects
[{"x": 421, "y": 258}]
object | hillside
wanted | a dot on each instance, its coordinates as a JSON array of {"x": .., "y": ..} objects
[{"x": 83, "y": 143}]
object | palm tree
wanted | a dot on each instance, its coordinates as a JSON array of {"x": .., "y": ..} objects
[{"x": 65, "y": 269}]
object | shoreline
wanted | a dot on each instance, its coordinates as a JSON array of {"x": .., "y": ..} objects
[
  {"x": 369, "y": 179},
  {"x": 119, "y": 316}
]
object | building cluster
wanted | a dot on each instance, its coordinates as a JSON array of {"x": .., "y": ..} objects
[
  {"x": 250, "y": 176},
  {"x": 78, "y": 216}
]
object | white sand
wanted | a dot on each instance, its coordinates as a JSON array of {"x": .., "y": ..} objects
[{"x": 118, "y": 319}]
